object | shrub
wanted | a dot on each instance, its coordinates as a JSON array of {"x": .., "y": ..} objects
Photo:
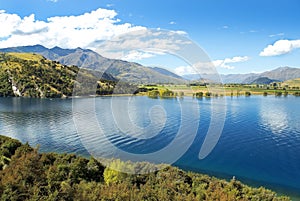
[
  {"x": 278, "y": 93},
  {"x": 208, "y": 94},
  {"x": 247, "y": 93},
  {"x": 199, "y": 94}
]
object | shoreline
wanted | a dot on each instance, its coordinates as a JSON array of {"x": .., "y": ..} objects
[
  {"x": 145, "y": 95},
  {"x": 110, "y": 177}
]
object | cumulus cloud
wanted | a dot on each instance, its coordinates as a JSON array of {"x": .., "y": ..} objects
[
  {"x": 63, "y": 31},
  {"x": 280, "y": 47},
  {"x": 225, "y": 63},
  {"x": 208, "y": 67}
]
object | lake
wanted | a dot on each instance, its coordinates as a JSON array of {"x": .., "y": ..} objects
[{"x": 259, "y": 143}]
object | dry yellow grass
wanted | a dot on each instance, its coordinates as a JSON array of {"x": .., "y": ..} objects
[
  {"x": 293, "y": 83},
  {"x": 26, "y": 56}
]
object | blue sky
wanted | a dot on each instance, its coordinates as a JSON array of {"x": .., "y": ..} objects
[{"x": 238, "y": 36}]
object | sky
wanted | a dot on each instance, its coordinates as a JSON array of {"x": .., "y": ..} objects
[{"x": 238, "y": 36}]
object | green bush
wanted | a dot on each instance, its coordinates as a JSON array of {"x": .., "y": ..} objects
[
  {"x": 49, "y": 176},
  {"x": 247, "y": 93},
  {"x": 198, "y": 94},
  {"x": 208, "y": 94}
]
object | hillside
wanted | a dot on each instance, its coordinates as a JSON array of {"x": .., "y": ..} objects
[
  {"x": 32, "y": 75},
  {"x": 165, "y": 72},
  {"x": 282, "y": 73},
  {"x": 26, "y": 174},
  {"x": 123, "y": 70},
  {"x": 293, "y": 83},
  {"x": 263, "y": 80}
]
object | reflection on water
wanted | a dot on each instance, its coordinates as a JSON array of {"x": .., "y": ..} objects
[
  {"x": 274, "y": 116},
  {"x": 260, "y": 141},
  {"x": 42, "y": 122}
]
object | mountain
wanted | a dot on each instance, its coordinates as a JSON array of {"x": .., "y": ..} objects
[
  {"x": 279, "y": 74},
  {"x": 123, "y": 70},
  {"x": 32, "y": 75},
  {"x": 263, "y": 80},
  {"x": 239, "y": 78},
  {"x": 230, "y": 78},
  {"x": 192, "y": 77},
  {"x": 165, "y": 72},
  {"x": 282, "y": 73}
]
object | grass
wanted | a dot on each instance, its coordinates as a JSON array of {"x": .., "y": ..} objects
[
  {"x": 26, "y": 56},
  {"x": 293, "y": 83},
  {"x": 225, "y": 90}
]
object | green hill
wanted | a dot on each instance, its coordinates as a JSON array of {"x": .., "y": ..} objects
[
  {"x": 263, "y": 80},
  {"x": 32, "y": 75}
]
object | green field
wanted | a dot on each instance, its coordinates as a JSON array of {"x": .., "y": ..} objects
[{"x": 226, "y": 90}]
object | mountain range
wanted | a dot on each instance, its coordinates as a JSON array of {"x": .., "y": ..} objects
[
  {"x": 137, "y": 73},
  {"x": 84, "y": 58},
  {"x": 280, "y": 74}
]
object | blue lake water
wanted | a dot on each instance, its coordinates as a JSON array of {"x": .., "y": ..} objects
[{"x": 259, "y": 143}]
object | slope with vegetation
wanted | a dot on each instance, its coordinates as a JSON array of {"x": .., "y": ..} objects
[
  {"x": 26, "y": 174},
  {"x": 32, "y": 75}
]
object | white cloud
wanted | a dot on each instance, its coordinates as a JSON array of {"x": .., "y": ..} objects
[
  {"x": 109, "y": 5},
  {"x": 172, "y": 22},
  {"x": 63, "y": 31},
  {"x": 225, "y": 27},
  {"x": 208, "y": 67},
  {"x": 185, "y": 70},
  {"x": 144, "y": 43},
  {"x": 9, "y": 22},
  {"x": 225, "y": 62},
  {"x": 236, "y": 59},
  {"x": 180, "y": 32},
  {"x": 280, "y": 47},
  {"x": 253, "y": 31},
  {"x": 273, "y": 35},
  {"x": 53, "y": 1},
  {"x": 137, "y": 55}
]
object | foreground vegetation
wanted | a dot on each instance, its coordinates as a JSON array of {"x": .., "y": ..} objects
[{"x": 26, "y": 174}]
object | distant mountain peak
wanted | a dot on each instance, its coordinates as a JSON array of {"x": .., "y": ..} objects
[{"x": 56, "y": 48}]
